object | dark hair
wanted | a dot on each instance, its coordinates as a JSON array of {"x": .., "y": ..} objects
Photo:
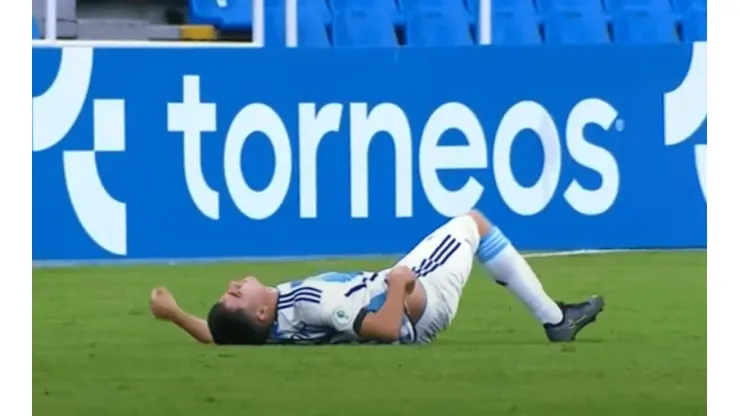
[{"x": 233, "y": 327}]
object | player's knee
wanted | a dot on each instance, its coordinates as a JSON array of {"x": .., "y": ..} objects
[
  {"x": 481, "y": 222},
  {"x": 399, "y": 269}
]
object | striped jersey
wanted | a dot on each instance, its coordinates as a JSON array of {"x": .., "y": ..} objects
[{"x": 328, "y": 308}]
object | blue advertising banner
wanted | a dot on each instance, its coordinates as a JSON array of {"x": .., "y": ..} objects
[{"x": 153, "y": 153}]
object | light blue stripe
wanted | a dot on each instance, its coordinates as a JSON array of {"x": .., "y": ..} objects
[
  {"x": 491, "y": 244},
  {"x": 487, "y": 253},
  {"x": 376, "y": 302}
]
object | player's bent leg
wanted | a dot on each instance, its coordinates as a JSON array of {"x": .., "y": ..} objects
[
  {"x": 442, "y": 262},
  {"x": 506, "y": 266}
]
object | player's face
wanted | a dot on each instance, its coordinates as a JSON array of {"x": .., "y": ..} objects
[{"x": 248, "y": 293}]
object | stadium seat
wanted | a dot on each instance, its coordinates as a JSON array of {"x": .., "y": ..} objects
[
  {"x": 363, "y": 28},
  {"x": 392, "y": 23},
  {"x": 237, "y": 14},
  {"x": 569, "y": 28},
  {"x": 653, "y": 6},
  {"x": 316, "y": 7},
  {"x": 516, "y": 29},
  {"x": 581, "y": 6},
  {"x": 684, "y": 6},
  {"x": 436, "y": 28},
  {"x": 36, "y": 32},
  {"x": 227, "y": 15},
  {"x": 519, "y": 7},
  {"x": 447, "y": 7},
  {"x": 384, "y": 6},
  {"x": 311, "y": 29},
  {"x": 644, "y": 28},
  {"x": 695, "y": 26}
]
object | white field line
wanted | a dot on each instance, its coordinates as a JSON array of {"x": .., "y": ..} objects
[{"x": 182, "y": 261}]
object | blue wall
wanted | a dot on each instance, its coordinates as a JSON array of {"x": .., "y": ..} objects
[{"x": 617, "y": 163}]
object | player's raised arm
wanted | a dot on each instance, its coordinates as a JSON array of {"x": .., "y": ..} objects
[
  {"x": 164, "y": 307},
  {"x": 385, "y": 324}
]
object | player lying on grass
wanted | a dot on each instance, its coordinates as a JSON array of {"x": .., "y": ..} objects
[{"x": 409, "y": 303}]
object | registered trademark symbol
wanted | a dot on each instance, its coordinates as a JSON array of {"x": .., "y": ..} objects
[{"x": 619, "y": 124}]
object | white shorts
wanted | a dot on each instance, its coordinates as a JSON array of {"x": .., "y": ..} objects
[{"x": 443, "y": 261}]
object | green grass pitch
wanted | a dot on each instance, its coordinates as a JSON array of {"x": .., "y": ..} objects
[{"x": 98, "y": 352}]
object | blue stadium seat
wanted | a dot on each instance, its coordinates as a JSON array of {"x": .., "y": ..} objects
[
  {"x": 683, "y": 6},
  {"x": 653, "y": 6},
  {"x": 516, "y": 29},
  {"x": 582, "y": 6},
  {"x": 505, "y": 6},
  {"x": 315, "y": 7},
  {"x": 363, "y": 27},
  {"x": 374, "y": 23},
  {"x": 695, "y": 26},
  {"x": 434, "y": 27},
  {"x": 446, "y": 6},
  {"x": 237, "y": 14},
  {"x": 311, "y": 29},
  {"x": 386, "y": 6},
  {"x": 36, "y": 32},
  {"x": 644, "y": 28},
  {"x": 569, "y": 28}
]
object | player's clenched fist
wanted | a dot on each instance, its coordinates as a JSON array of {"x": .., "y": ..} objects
[
  {"x": 163, "y": 304},
  {"x": 403, "y": 277}
]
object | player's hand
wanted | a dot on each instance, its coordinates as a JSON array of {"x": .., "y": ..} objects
[
  {"x": 403, "y": 277},
  {"x": 163, "y": 304}
]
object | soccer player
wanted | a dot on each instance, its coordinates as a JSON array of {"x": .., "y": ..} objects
[{"x": 409, "y": 303}]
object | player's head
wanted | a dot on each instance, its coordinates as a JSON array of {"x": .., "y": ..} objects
[{"x": 244, "y": 314}]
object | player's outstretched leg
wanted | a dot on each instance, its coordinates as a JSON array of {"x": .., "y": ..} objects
[{"x": 505, "y": 264}]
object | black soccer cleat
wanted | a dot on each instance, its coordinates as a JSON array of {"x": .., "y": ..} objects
[{"x": 575, "y": 317}]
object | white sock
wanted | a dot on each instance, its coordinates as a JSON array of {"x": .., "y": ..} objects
[{"x": 508, "y": 268}]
